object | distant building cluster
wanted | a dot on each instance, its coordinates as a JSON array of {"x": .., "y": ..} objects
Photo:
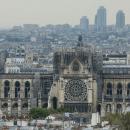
[
  {"x": 81, "y": 78},
  {"x": 20, "y": 60},
  {"x": 101, "y": 21},
  {"x": 47, "y": 67}
]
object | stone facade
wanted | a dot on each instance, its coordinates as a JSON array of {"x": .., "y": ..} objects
[
  {"x": 19, "y": 92},
  {"x": 75, "y": 85},
  {"x": 115, "y": 90},
  {"x": 80, "y": 83}
]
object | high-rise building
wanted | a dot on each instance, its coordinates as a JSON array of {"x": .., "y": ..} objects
[
  {"x": 120, "y": 19},
  {"x": 100, "y": 19},
  {"x": 84, "y": 24}
]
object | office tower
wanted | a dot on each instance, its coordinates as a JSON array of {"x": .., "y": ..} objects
[
  {"x": 84, "y": 24},
  {"x": 100, "y": 19},
  {"x": 120, "y": 19}
]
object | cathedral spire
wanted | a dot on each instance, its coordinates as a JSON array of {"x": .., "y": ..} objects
[{"x": 80, "y": 42}]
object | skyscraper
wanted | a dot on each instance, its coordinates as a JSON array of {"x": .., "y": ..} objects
[
  {"x": 84, "y": 24},
  {"x": 120, "y": 19},
  {"x": 100, "y": 19}
]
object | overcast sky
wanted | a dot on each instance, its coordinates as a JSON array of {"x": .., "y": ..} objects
[{"x": 17, "y": 12}]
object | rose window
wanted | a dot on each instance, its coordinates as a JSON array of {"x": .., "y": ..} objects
[{"x": 75, "y": 90}]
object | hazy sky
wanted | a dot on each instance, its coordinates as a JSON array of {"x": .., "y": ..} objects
[{"x": 17, "y": 12}]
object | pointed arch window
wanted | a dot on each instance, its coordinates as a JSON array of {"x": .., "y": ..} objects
[
  {"x": 17, "y": 89},
  {"x": 119, "y": 108},
  {"x": 128, "y": 89},
  {"x": 108, "y": 108},
  {"x": 6, "y": 88},
  {"x": 76, "y": 66},
  {"x": 119, "y": 89},
  {"x": 109, "y": 89},
  {"x": 27, "y": 88}
]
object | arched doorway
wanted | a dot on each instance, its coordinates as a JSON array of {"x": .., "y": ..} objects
[
  {"x": 119, "y": 108},
  {"x": 99, "y": 108},
  {"x": 119, "y": 89},
  {"x": 127, "y": 108},
  {"x": 108, "y": 108},
  {"x": 54, "y": 102}
]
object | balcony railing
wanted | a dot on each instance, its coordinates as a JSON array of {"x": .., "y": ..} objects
[
  {"x": 118, "y": 98},
  {"x": 108, "y": 98},
  {"x": 127, "y": 98}
]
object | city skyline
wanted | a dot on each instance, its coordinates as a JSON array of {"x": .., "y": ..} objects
[{"x": 43, "y": 12}]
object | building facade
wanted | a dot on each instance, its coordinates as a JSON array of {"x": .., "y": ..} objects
[
  {"x": 21, "y": 92},
  {"x": 120, "y": 19},
  {"x": 82, "y": 81},
  {"x": 101, "y": 19},
  {"x": 115, "y": 90},
  {"x": 84, "y": 24},
  {"x": 75, "y": 85}
]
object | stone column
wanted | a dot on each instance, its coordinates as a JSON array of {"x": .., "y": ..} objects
[
  {"x": 9, "y": 106},
  {"x": 90, "y": 96},
  {"x": 113, "y": 108},
  {"x": 2, "y": 91},
  {"x": 94, "y": 95},
  {"x": 103, "y": 110},
  {"x": 12, "y": 89},
  {"x": 90, "y": 93},
  {"x": 124, "y": 92},
  {"x": 19, "y": 107},
  {"x": 1, "y": 86},
  {"x": 39, "y": 103},
  {"x": 22, "y": 88},
  {"x": 29, "y": 105},
  {"x": 39, "y": 100},
  {"x": 123, "y": 107},
  {"x": 49, "y": 102},
  {"x": 60, "y": 98}
]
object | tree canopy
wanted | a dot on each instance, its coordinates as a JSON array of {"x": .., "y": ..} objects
[
  {"x": 123, "y": 120},
  {"x": 41, "y": 113}
]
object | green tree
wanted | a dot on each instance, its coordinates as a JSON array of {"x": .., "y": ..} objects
[
  {"x": 123, "y": 120},
  {"x": 39, "y": 113},
  {"x": 113, "y": 119}
]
